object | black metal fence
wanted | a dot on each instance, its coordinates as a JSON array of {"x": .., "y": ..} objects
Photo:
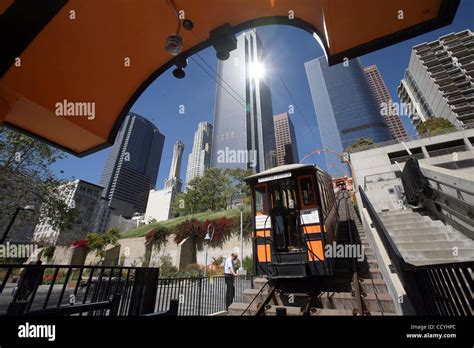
[
  {"x": 28, "y": 289},
  {"x": 199, "y": 296},
  {"x": 441, "y": 289},
  {"x": 101, "y": 290}
]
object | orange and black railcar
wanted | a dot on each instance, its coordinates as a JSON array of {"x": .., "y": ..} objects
[{"x": 294, "y": 219}]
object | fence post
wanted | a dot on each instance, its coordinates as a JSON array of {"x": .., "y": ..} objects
[
  {"x": 145, "y": 287},
  {"x": 174, "y": 306},
  {"x": 199, "y": 296}
]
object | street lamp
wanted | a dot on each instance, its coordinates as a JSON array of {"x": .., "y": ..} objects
[
  {"x": 208, "y": 238},
  {"x": 241, "y": 205},
  {"x": 28, "y": 208}
]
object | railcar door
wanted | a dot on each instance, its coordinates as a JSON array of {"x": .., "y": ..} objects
[{"x": 283, "y": 212}]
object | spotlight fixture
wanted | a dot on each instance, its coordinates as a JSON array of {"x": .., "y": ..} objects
[
  {"x": 188, "y": 24},
  {"x": 174, "y": 44},
  {"x": 179, "y": 72},
  {"x": 223, "y": 39}
]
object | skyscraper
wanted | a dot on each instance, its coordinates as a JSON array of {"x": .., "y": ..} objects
[
  {"x": 243, "y": 135},
  {"x": 200, "y": 157},
  {"x": 346, "y": 108},
  {"x": 386, "y": 105},
  {"x": 174, "y": 179},
  {"x": 132, "y": 166},
  {"x": 286, "y": 148},
  {"x": 439, "y": 80},
  {"x": 79, "y": 194},
  {"x": 159, "y": 201}
]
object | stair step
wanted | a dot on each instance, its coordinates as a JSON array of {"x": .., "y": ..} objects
[
  {"x": 258, "y": 283},
  {"x": 428, "y": 237},
  {"x": 456, "y": 255},
  {"x": 422, "y": 230},
  {"x": 388, "y": 222},
  {"x": 394, "y": 227},
  {"x": 249, "y": 295},
  {"x": 435, "y": 245},
  {"x": 375, "y": 273},
  {"x": 345, "y": 301},
  {"x": 237, "y": 308},
  {"x": 430, "y": 262},
  {"x": 396, "y": 212},
  {"x": 373, "y": 285}
]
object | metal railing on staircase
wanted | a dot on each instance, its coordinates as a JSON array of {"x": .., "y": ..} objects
[{"x": 437, "y": 289}]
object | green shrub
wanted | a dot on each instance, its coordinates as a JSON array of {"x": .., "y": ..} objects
[
  {"x": 248, "y": 265},
  {"x": 48, "y": 251}
]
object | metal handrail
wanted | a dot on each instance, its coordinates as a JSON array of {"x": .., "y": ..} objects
[
  {"x": 437, "y": 289},
  {"x": 257, "y": 295}
]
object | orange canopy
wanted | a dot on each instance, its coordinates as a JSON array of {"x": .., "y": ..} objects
[{"x": 106, "y": 52}]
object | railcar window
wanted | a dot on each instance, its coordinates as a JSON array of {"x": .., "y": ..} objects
[
  {"x": 308, "y": 197},
  {"x": 283, "y": 194},
  {"x": 325, "y": 194},
  {"x": 261, "y": 199}
]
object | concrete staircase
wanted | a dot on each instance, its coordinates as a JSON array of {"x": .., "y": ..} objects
[{"x": 423, "y": 241}]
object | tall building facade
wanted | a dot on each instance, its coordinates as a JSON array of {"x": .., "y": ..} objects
[
  {"x": 243, "y": 135},
  {"x": 439, "y": 80},
  {"x": 386, "y": 105},
  {"x": 174, "y": 179},
  {"x": 160, "y": 201},
  {"x": 200, "y": 157},
  {"x": 85, "y": 197},
  {"x": 285, "y": 137},
  {"x": 132, "y": 166},
  {"x": 345, "y": 107}
]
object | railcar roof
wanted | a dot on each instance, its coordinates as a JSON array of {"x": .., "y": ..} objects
[{"x": 281, "y": 169}]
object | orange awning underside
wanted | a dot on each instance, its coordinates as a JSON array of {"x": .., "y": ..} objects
[{"x": 82, "y": 59}]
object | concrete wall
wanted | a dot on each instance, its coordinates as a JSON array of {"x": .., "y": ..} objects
[
  {"x": 63, "y": 255},
  {"x": 375, "y": 161},
  {"x": 394, "y": 285},
  {"x": 133, "y": 250},
  {"x": 123, "y": 224}
]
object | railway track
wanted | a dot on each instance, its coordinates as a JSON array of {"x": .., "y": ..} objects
[{"x": 356, "y": 288}]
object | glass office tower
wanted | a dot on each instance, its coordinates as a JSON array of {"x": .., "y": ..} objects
[
  {"x": 243, "y": 135},
  {"x": 132, "y": 166},
  {"x": 346, "y": 108}
]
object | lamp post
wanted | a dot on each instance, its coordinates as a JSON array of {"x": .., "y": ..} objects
[
  {"x": 241, "y": 205},
  {"x": 28, "y": 208},
  {"x": 208, "y": 238}
]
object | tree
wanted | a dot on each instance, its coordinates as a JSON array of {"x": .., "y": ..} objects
[
  {"x": 435, "y": 125},
  {"x": 360, "y": 144},
  {"x": 237, "y": 177},
  {"x": 213, "y": 191},
  {"x": 99, "y": 242},
  {"x": 208, "y": 192},
  {"x": 26, "y": 179}
]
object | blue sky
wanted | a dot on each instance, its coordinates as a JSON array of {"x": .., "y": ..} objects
[{"x": 288, "y": 49}]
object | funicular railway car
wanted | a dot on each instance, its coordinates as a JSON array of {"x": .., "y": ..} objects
[{"x": 295, "y": 217}]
